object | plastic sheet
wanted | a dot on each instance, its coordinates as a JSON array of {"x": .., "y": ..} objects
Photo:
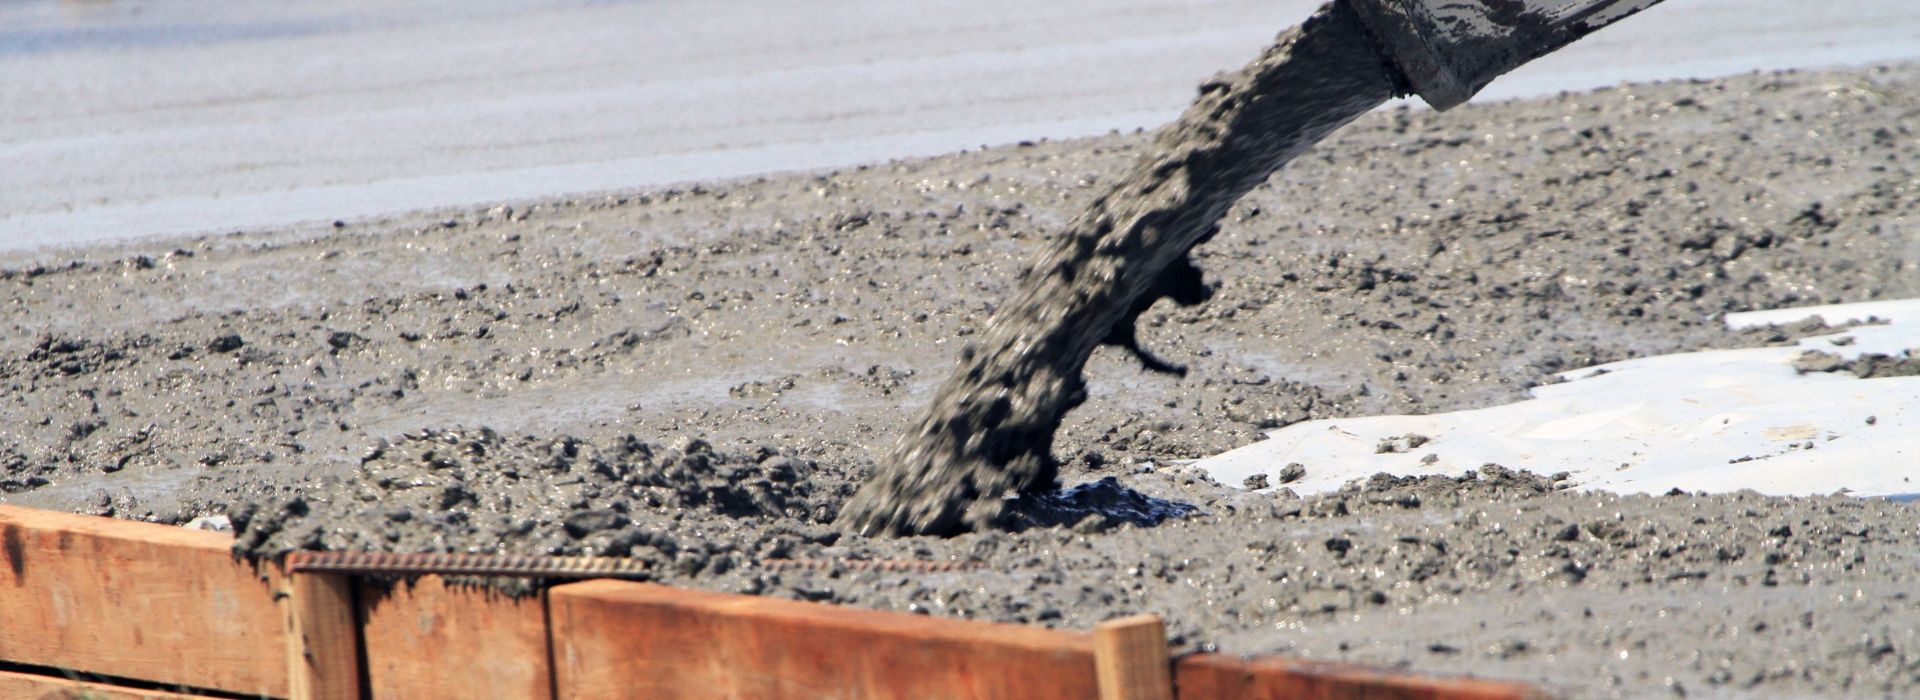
[{"x": 1713, "y": 421}]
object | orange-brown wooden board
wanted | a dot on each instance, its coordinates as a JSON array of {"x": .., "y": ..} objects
[
  {"x": 623, "y": 639},
  {"x": 137, "y": 600},
  {"x": 1273, "y": 678},
  {"x": 428, "y": 639},
  {"x": 323, "y": 638},
  {"x": 1130, "y": 659},
  {"x": 30, "y": 687}
]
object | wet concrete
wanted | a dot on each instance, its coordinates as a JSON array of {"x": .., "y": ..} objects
[
  {"x": 128, "y": 118},
  {"x": 991, "y": 427},
  {"x": 764, "y": 341}
]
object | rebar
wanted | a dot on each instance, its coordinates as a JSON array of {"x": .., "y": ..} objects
[
  {"x": 415, "y": 563},
  {"x": 916, "y": 566}
]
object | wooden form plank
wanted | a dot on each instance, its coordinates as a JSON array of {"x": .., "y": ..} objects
[
  {"x": 171, "y": 606},
  {"x": 137, "y": 600},
  {"x": 622, "y": 639},
  {"x": 426, "y": 639},
  {"x": 323, "y": 642},
  {"x": 1131, "y": 659},
  {"x": 1275, "y": 678},
  {"x": 21, "y": 685}
]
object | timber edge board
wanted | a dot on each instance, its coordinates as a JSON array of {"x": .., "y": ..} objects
[{"x": 178, "y": 611}]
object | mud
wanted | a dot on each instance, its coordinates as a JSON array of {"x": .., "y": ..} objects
[
  {"x": 991, "y": 427},
  {"x": 703, "y": 376}
]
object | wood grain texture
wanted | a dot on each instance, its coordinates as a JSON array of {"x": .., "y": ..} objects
[
  {"x": 622, "y": 639},
  {"x": 30, "y": 687},
  {"x": 137, "y": 600},
  {"x": 171, "y": 606},
  {"x": 1131, "y": 659},
  {"x": 323, "y": 641},
  {"x": 1274, "y": 678},
  {"x": 428, "y": 639}
]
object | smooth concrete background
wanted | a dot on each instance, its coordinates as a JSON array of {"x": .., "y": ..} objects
[{"x": 121, "y": 119}]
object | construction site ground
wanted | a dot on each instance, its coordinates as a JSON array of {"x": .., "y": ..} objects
[{"x": 700, "y": 376}]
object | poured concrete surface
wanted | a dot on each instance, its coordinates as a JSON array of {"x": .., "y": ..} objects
[
  {"x": 699, "y": 377},
  {"x": 126, "y": 119}
]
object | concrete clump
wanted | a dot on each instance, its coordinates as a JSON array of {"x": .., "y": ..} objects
[
  {"x": 1866, "y": 366},
  {"x": 621, "y": 497}
]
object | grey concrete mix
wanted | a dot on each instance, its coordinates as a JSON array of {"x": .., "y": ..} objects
[
  {"x": 701, "y": 377},
  {"x": 129, "y": 118},
  {"x": 989, "y": 429}
]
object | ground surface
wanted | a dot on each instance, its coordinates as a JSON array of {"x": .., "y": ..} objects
[
  {"x": 701, "y": 376},
  {"x": 128, "y": 118}
]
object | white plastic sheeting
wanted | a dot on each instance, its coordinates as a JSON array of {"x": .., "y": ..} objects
[{"x": 1713, "y": 421}]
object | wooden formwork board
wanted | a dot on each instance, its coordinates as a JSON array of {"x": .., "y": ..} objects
[
  {"x": 1130, "y": 659},
  {"x": 1233, "y": 678},
  {"x": 621, "y": 639},
  {"x": 323, "y": 638},
  {"x": 171, "y": 607},
  {"x": 137, "y": 600},
  {"x": 426, "y": 639},
  {"x": 21, "y": 685}
]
